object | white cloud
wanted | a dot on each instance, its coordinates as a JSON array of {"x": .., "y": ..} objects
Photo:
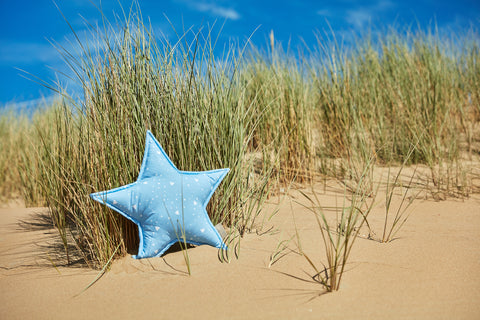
[
  {"x": 359, "y": 18},
  {"x": 384, "y": 5},
  {"x": 213, "y": 9},
  {"x": 324, "y": 12},
  {"x": 218, "y": 11},
  {"x": 26, "y": 52}
]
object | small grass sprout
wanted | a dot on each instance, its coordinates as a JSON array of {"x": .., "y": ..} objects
[
  {"x": 338, "y": 237},
  {"x": 391, "y": 227}
]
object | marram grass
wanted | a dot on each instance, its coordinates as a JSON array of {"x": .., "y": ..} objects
[{"x": 268, "y": 116}]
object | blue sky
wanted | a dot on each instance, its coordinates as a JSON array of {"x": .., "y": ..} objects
[{"x": 26, "y": 25}]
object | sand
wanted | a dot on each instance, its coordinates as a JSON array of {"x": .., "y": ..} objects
[{"x": 430, "y": 271}]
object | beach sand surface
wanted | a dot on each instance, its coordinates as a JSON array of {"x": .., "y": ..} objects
[{"x": 430, "y": 271}]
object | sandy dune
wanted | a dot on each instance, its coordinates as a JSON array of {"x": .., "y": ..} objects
[{"x": 431, "y": 271}]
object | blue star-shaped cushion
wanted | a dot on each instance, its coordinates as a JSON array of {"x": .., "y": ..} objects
[{"x": 166, "y": 203}]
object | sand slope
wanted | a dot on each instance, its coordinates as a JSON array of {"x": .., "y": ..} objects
[{"x": 432, "y": 271}]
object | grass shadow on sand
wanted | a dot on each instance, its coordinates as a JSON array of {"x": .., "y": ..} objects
[{"x": 43, "y": 246}]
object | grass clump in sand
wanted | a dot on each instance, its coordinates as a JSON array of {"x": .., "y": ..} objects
[
  {"x": 339, "y": 235},
  {"x": 400, "y": 88},
  {"x": 392, "y": 226},
  {"x": 132, "y": 83}
]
